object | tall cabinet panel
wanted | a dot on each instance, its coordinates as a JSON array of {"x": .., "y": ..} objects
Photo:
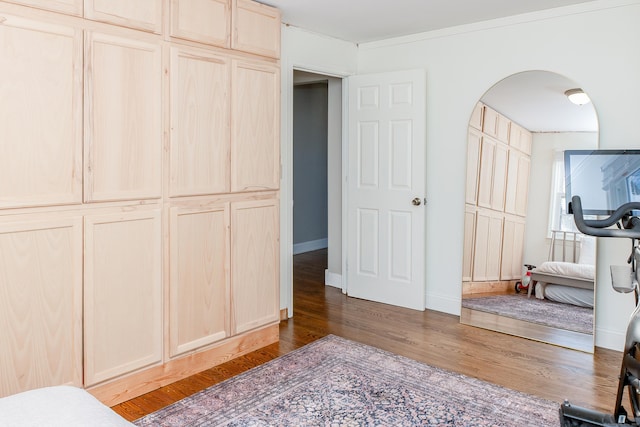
[
  {"x": 199, "y": 287},
  {"x": 512, "y": 248},
  {"x": 123, "y": 127},
  {"x": 473, "y": 165},
  {"x": 469, "y": 242},
  {"x": 200, "y": 112},
  {"x": 123, "y": 294},
  {"x": 488, "y": 245},
  {"x": 40, "y": 304},
  {"x": 495, "y": 211},
  {"x": 254, "y": 275},
  {"x": 139, "y": 178},
  {"x": 255, "y": 154},
  {"x": 485, "y": 176},
  {"x": 40, "y": 122}
]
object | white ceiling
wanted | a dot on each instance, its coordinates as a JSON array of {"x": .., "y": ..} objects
[
  {"x": 535, "y": 100},
  {"x": 362, "y": 21}
]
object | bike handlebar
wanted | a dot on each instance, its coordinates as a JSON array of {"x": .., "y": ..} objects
[{"x": 598, "y": 227}]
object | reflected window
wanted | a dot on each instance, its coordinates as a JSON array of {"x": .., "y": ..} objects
[{"x": 559, "y": 219}]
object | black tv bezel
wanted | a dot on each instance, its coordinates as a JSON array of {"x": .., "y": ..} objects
[{"x": 567, "y": 177}]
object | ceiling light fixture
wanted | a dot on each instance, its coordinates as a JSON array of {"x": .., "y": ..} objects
[{"x": 577, "y": 96}]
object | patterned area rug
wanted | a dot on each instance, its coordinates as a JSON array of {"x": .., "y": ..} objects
[
  {"x": 337, "y": 382},
  {"x": 542, "y": 312}
]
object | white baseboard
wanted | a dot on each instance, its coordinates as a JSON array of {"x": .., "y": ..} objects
[
  {"x": 443, "y": 303},
  {"x": 313, "y": 245},
  {"x": 612, "y": 340},
  {"x": 332, "y": 279}
]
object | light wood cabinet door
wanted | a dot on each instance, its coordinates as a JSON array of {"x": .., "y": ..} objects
[
  {"x": 40, "y": 113},
  {"x": 473, "y": 165},
  {"x": 123, "y": 126},
  {"x": 140, "y": 14},
  {"x": 517, "y": 183},
  {"x": 204, "y": 21},
  {"x": 520, "y": 138},
  {"x": 485, "y": 177},
  {"x": 254, "y": 257},
  {"x": 40, "y": 304},
  {"x": 255, "y": 28},
  {"x": 488, "y": 245},
  {"x": 512, "y": 248},
  {"x": 495, "y": 125},
  {"x": 255, "y": 126},
  {"x": 199, "y": 309},
  {"x": 499, "y": 181},
  {"x": 69, "y": 7},
  {"x": 123, "y": 294},
  {"x": 200, "y": 132},
  {"x": 469, "y": 242},
  {"x": 476, "y": 116},
  {"x": 522, "y": 190}
]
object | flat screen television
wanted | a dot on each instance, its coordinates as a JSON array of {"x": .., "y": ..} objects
[{"x": 604, "y": 179}]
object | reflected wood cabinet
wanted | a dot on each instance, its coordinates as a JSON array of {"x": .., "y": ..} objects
[
  {"x": 498, "y": 166},
  {"x": 139, "y": 190}
]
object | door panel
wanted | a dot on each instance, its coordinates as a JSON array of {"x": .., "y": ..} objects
[
  {"x": 40, "y": 304},
  {"x": 200, "y": 110},
  {"x": 123, "y": 294},
  {"x": 40, "y": 113},
  {"x": 386, "y": 162},
  {"x": 123, "y": 118}
]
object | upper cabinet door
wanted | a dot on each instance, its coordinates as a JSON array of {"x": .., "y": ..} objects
[
  {"x": 140, "y": 14},
  {"x": 123, "y": 126},
  {"x": 200, "y": 107},
  {"x": 255, "y": 124},
  {"x": 495, "y": 125},
  {"x": 255, "y": 28},
  {"x": 40, "y": 113},
  {"x": 70, "y": 7},
  {"x": 476, "y": 116},
  {"x": 204, "y": 21}
]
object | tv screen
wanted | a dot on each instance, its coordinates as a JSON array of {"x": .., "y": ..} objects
[{"x": 604, "y": 179}]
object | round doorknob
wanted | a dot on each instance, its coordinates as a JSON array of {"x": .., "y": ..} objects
[{"x": 416, "y": 201}]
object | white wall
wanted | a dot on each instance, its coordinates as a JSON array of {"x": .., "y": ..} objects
[
  {"x": 543, "y": 152},
  {"x": 595, "y": 44}
]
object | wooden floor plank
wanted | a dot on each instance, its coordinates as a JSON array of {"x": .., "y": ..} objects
[{"x": 544, "y": 370}]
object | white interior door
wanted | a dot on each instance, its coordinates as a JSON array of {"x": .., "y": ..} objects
[{"x": 386, "y": 188}]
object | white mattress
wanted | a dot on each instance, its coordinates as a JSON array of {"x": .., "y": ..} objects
[
  {"x": 567, "y": 269},
  {"x": 568, "y": 295},
  {"x": 59, "y": 406}
]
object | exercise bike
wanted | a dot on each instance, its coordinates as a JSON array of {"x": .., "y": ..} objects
[{"x": 625, "y": 280}]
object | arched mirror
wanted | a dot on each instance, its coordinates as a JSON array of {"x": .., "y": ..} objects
[{"x": 518, "y": 133}]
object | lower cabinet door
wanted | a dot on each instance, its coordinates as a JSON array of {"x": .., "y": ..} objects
[
  {"x": 254, "y": 257},
  {"x": 40, "y": 304},
  {"x": 199, "y": 279},
  {"x": 123, "y": 293}
]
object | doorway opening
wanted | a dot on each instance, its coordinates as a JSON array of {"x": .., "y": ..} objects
[{"x": 317, "y": 169}]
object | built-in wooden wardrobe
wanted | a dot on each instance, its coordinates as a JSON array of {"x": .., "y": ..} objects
[
  {"x": 139, "y": 178},
  {"x": 498, "y": 164}
]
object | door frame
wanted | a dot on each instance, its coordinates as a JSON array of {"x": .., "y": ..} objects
[{"x": 286, "y": 184}]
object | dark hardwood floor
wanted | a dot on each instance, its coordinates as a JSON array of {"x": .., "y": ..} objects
[{"x": 544, "y": 370}]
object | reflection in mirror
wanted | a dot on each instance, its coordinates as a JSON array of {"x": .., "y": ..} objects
[{"x": 515, "y": 199}]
